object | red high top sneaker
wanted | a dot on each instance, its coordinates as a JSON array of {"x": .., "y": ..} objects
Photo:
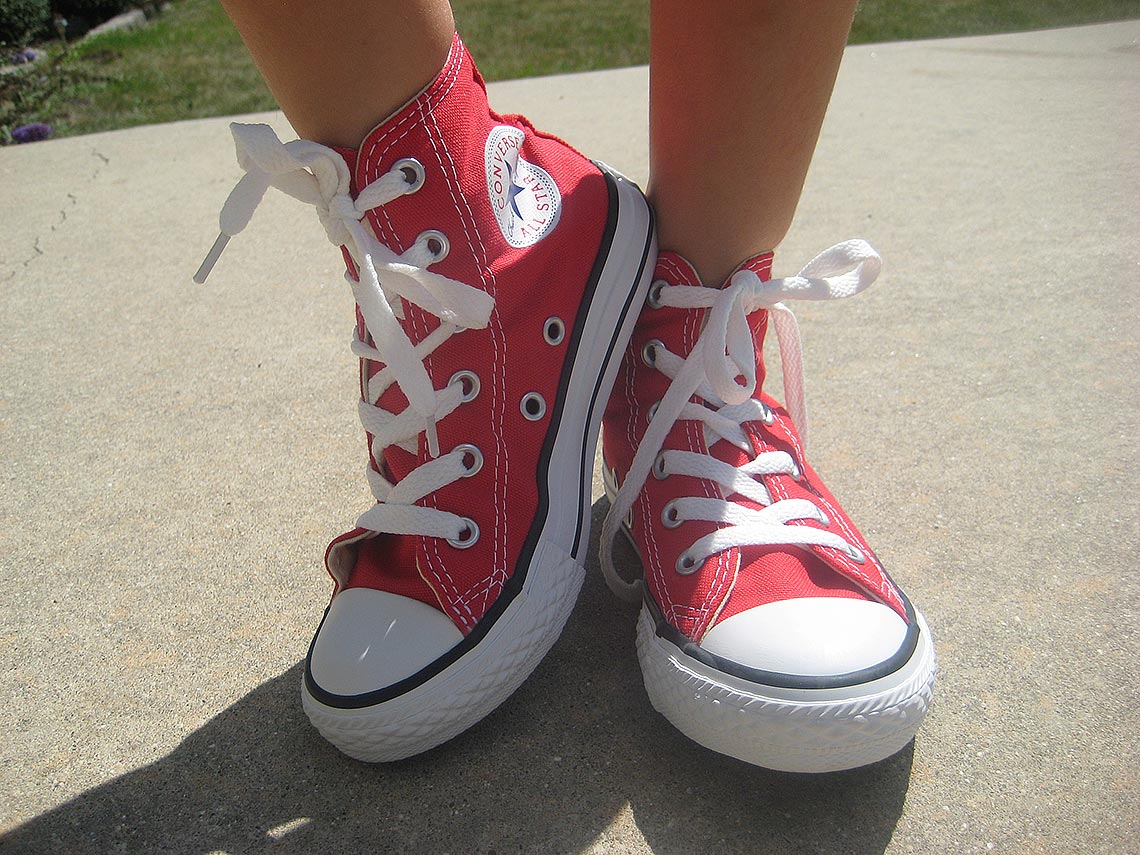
[
  {"x": 769, "y": 630},
  {"x": 498, "y": 275}
]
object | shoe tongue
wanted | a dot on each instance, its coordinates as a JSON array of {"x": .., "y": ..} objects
[
  {"x": 350, "y": 156},
  {"x": 760, "y": 264},
  {"x": 398, "y": 461},
  {"x": 677, "y": 270}
]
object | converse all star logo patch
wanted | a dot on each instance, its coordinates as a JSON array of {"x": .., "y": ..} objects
[{"x": 524, "y": 197}]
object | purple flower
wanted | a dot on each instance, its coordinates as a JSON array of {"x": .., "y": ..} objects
[
  {"x": 31, "y": 133},
  {"x": 26, "y": 55}
]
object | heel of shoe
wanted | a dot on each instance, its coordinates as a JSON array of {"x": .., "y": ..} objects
[{"x": 623, "y": 272}]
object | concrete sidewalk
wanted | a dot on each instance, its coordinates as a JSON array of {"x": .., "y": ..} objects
[{"x": 175, "y": 458}]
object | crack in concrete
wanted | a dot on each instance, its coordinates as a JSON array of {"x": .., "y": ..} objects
[{"x": 72, "y": 202}]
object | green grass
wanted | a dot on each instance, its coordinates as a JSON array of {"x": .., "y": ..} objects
[
  {"x": 511, "y": 39},
  {"x": 190, "y": 62},
  {"x": 185, "y": 64}
]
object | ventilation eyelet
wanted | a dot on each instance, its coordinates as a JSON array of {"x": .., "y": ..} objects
[
  {"x": 437, "y": 244},
  {"x": 649, "y": 351},
  {"x": 659, "y": 467},
  {"x": 686, "y": 564},
  {"x": 532, "y": 406},
  {"x": 469, "y": 381},
  {"x": 554, "y": 331},
  {"x": 472, "y": 459},
  {"x": 670, "y": 516},
  {"x": 468, "y": 535},
  {"x": 653, "y": 300},
  {"x": 413, "y": 171}
]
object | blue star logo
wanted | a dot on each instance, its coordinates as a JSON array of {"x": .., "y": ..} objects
[{"x": 513, "y": 190}]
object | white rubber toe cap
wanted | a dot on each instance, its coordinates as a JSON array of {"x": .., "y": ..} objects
[
  {"x": 811, "y": 637},
  {"x": 371, "y": 639}
]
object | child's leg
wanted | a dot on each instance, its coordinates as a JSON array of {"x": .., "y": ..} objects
[
  {"x": 337, "y": 67},
  {"x": 737, "y": 97}
]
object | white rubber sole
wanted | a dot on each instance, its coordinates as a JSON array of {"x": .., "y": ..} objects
[
  {"x": 791, "y": 730},
  {"x": 480, "y": 679}
]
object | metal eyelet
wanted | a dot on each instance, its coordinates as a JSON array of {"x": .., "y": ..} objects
[
  {"x": 856, "y": 554},
  {"x": 796, "y": 472},
  {"x": 824, "y": 520},
  {"x": 472, "y": 454},
  {"x": 532, "y": 406},
  {"x": 467, "y": 535},
  {"x": 653, "y": 300},
  {"x": 659, "y": 467},
  {"x": 469, "y": 381},
  {"x": 686, "y": 564},
  {"x": 553, "y": 330},
  {"x": 768, "y": 417},
  {"x": 652, "y": 411},
  {"x": 649, "y": 351},
  {"x": 437, "y": 243},
  {"x": 670, "y": 516},
  {"x": 413, "y": 171}
]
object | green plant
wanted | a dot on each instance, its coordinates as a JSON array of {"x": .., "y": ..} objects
[
  {"x": 28, "y": 93},
  {"x": 83, "y": 15},
  {"x": 96, "y": 9},
  {"x": 23, "y": 20}
]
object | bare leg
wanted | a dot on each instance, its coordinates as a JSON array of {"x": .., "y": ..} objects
[
  {"x": 338, "y": 67},
  {"x": 738, "y": 91}
]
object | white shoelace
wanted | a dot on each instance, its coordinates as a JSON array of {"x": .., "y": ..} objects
[
  {"x": 724, "y": 351},
  {"x": 319, "y": 177}
]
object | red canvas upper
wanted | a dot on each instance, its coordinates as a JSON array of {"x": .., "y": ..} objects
[
  {"x": 736, "y": 579},
  {"x": 446, "y": 128}
]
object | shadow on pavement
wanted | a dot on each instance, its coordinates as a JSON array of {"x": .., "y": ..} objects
[{"x": 549, "y": 772}]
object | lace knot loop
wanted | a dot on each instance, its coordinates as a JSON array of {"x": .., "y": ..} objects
[{"x": 336, "y": 216}]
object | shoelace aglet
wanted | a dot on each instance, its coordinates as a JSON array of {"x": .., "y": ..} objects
[{"x": 211, "y": 258}]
